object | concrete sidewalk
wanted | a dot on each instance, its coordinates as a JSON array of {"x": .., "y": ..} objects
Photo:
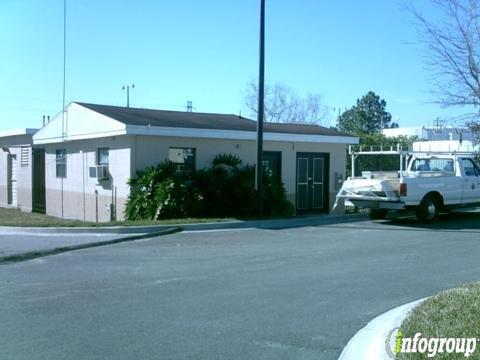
[
  {"x": 280, "y": 223},
  {"x": 21, "y": 246}
]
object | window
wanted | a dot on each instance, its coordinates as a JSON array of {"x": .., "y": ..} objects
[
  {"x": 470, "y": 168},
  {"x": 24, "y": 156},
  {"x": 272, "y": 163},
  {"x": 61, "y": 163},
  {"x": 183, "y": 157},
  {"x": 102, "y": 156},
  {"x": 433, "y": 165}
]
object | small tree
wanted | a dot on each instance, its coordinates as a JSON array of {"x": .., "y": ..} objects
[{"x": 369, "y": 116}]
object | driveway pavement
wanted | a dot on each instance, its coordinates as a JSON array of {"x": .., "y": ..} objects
[{"x": 233, "y": 294}]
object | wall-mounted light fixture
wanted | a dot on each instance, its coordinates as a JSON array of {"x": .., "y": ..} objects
[{"x": 6, "y": 149}]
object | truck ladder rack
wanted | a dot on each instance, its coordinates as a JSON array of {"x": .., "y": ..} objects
[{"x": 399, "y": 150}]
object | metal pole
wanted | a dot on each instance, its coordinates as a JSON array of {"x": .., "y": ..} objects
[
  {"x": 96, "y": 206},
  {"x": 401, "y": 165},
  {"x": 64, "y": 89},
  {"x": 261, "y": 103},
  {"x": 353, "y": 165},
  {"x": 127, "y": 87}
]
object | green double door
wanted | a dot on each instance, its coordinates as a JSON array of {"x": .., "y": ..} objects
[{"x": 312, "y": 182}]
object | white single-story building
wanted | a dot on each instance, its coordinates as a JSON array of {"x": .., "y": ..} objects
[
  {"x": 433, "y": 133},
  {"x": 90, "y": 151},
  {"x": 446, "y": 145},
  {"x": 16, "y": 181}
]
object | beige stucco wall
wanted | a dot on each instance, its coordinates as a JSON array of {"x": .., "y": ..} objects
[
  {"x": 127, "y": 154},
  {"x": 3, "y": 179},
  {"x": 24, "y": 174},
  {"x": 79, "y": 198},
  {"x": 150, "y": 150}
]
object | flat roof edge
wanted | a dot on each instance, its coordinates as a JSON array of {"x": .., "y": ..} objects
[
  {"x": 237, "y": 134},
  {"x": 17, "y": 132}
]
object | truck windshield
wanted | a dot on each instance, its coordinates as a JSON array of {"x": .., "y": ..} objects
[{"x": 433, "y": 165}]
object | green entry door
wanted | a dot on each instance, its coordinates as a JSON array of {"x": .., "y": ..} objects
[
  {"x": 312, "y": 182},
  {"x": 38, "y": 193}
]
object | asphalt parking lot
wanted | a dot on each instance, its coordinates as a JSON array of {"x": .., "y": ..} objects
[{"x": 235, "y": 294}]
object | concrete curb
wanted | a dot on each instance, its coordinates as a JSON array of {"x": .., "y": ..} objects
[
  {"x": 48, "y": 252},
  {"x": 284, "y": 223},
  {"x": 370, "y": 342},
  {"x": 112, "y": 230}
]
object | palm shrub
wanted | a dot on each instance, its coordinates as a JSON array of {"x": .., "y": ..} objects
[
  {"x": 275, "y": 201},
  {"x": 162, "y": 192},
  {"x": 226, "y": 187}
]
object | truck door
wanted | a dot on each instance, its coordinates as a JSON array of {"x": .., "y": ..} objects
[{"x": 471, "y": 181}]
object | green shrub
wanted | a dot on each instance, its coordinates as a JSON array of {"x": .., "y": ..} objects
[
  {"x": 227, "y": 159},
  {"x": 162, "y": 192},
  {"x": 224, "y": 190}
]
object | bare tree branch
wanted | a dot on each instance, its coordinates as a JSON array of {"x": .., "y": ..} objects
[
  {"x": 452, "y": 52},
  {"x": 284, "y": 105}
]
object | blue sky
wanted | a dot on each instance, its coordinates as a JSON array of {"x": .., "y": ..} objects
[{"x": 207, "y": 52}]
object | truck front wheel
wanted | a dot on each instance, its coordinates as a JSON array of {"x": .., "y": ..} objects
[
  {"x": 377, "y": 214},
  {"x": 428, "y": 209}
]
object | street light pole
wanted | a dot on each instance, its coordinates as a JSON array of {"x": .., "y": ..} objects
[
  {"x": 128, "y": 93},
  {"x": 261, "y": 104}
]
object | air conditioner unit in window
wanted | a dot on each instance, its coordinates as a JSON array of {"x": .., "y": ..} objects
[{"x": 99, "y": 172}]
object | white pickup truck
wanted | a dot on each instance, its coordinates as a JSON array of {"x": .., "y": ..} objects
[{"x": 432, "y": 183}]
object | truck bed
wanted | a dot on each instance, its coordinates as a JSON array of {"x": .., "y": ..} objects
[{"x": 371, "y": 189}]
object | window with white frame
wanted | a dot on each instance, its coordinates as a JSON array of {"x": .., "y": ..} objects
[
  {"x": 103, "y": 156},
  {"x": 61, "y": 163}
]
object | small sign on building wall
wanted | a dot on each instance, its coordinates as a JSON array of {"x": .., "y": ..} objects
[{"x": 177, "y": 156}]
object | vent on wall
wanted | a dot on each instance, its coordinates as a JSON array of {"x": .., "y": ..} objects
[{"x": 24, "y": 156}]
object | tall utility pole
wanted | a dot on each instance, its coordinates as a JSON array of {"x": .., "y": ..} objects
[
  {"x": 128, "y": 93},
  {"x": 261, "y": 104},
  {"x": 64, "y": 125}
]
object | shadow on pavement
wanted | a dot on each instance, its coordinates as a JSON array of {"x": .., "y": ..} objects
[
  {"x": 299, "y": 221},
  {"x": 455, "y": 221},
  {"x": 451, "y": 221}
]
